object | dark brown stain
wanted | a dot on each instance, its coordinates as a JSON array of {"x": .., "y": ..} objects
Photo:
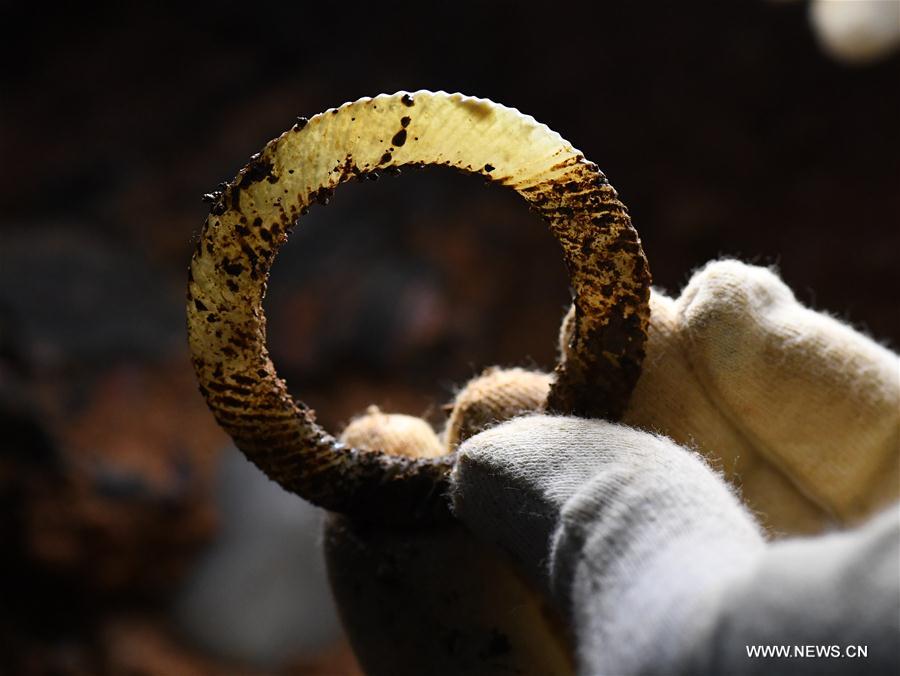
[
  {"x": 233, "y": 269},
  {"x": 257, "y": 170},
  {"x": 399, "y": 138},
  {"x": 408, "y": 100},
  {"x": 321, "y": 196}
]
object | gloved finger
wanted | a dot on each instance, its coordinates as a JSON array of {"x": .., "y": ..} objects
[
  {"x": 670, "y": 399},
  {"x": 818, "y": 400},
  {"x": 512, "y": 482},
  {"x": 392, "y": 433},
  {"x": 492, "y": 397}
]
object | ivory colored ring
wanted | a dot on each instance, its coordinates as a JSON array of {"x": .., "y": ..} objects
[{"x": 253, "y": 215}]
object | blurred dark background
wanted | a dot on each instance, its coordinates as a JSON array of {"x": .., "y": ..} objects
[{"x": 724, "y": 127}]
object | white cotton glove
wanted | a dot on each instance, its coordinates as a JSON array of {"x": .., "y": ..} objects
[
  {"x": 799, "y": 411},
  {"x": 658, "y": 566}
]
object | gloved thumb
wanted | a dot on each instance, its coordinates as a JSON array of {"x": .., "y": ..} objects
[{"x": 533, "y": 485}]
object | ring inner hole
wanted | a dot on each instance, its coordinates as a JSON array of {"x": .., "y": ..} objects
[{"x": 402, "y": 289}]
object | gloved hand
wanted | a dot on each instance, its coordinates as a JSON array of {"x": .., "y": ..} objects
[
  {"x": 656, "y": 564},
  {"x": 797, "y": 410}
]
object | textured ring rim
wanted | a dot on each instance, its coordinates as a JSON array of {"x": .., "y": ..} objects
[{"x": 253, "y": 215}]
